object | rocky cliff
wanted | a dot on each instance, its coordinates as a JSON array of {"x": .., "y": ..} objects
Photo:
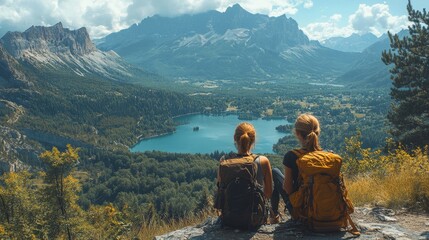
[
  {"x": 54, "y": 39},
  {"x": 57, "y": 48},
  {"x": 16, "y": 151},
  {"x": 11, "y": 75}
]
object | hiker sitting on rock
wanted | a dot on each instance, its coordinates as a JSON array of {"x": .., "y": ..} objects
[
  {"x": 245, "y": 183},
  {"x": 313, "y": 188}
]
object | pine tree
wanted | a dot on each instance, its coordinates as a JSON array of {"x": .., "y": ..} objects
[{"x": 409, "y": 113}]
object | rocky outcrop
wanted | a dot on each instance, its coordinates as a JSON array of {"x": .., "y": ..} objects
[
  {"x": 10, "y": 72},
  {"x": 54, "y": 39},
  {"x": 374, "y": 223},
  {"x": 57, "y": 49},
  {"x": 13, "y": 146}
]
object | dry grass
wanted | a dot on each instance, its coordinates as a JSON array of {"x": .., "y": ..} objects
[
  {"x": 397, "y": 180},
  {"x": 149, "y": 231},
  {"x": 394, "y": 191}
]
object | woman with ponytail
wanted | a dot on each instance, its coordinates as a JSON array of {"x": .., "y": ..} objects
[
  {"x": 314, "y": 182},
  {"x": 307, "y": 131},
  {"x": 244, "y": 141}
]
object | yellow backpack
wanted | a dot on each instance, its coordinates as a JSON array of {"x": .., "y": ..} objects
[{"x": 321, "y": 200}]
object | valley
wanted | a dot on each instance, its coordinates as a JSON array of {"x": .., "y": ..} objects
[
  {"x": 59, "y": 87},
  {"x": 57, "y": 93}
]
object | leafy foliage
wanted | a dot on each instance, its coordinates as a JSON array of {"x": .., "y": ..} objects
[
  {"x": 19, "y": 216},
  {"x": 409, "y": 113},
  {"x": 63, "y": 216},
  {"x": 396, "y": 179}
]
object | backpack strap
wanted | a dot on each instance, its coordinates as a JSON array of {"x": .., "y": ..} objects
[
  {"x": 255, "y": 156},
  {"x": 299, "y": 152},
  {"x": 354, "y": 229}
]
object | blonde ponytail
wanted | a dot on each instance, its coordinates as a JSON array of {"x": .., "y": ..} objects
[
  {"x": 308, "y": 127},
  {"x": 244, "y": 137}
]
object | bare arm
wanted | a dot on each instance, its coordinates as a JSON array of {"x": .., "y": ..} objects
[
  {"x": 288, "y": 183},
  {"x": 268, "y": 176}
]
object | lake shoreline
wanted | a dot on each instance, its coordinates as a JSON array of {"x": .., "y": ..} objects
[
  {"x": 140, "y": 138},
  {"x": 214, "y": 129},
  {"x": 225, "y": 113},
  {"x": 187, "y": 114}
]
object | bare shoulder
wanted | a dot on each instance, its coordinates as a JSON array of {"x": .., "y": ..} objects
[{"x": 264, "y": 160}]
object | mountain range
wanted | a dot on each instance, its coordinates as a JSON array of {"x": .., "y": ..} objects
[
  {"x": 352, "y": 43},
  {"x": 60, "y": 49},
  {"x": 368, "y": 70},
  {"x": 234, "y": 44},
  {"x": 56, "y": 87}
]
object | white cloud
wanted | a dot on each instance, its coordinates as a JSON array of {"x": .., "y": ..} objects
[
  {"x": 376, "y": 19},
  {"x": 102, "y": 17},
  {"x": 288, "y": 10},
  {"x": 272, "y": 8},
  {"x": 8, "y": 14},
  {"x": 308, "y": 4},
  {"x": 139, "y": 9},
  {"x": 336, "y": 17},
  {"x": 324, "y": 30}
]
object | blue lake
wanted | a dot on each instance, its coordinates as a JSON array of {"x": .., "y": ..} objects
[{"x": 215, "y": 133}]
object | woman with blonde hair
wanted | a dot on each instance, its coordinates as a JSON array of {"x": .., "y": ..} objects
[
  {"x": 244, "y": 141},
  {"x": 239, "y": 172},
  {"x": 307, "y": 131}
]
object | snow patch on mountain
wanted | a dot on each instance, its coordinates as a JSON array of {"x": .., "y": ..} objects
[{"x": 237, "y": 36}]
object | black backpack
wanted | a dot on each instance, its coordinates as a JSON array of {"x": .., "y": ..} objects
[{"x": 240, "y": 197}]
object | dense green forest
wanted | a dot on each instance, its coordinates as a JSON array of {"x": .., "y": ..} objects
[
  {"x": 97, "y": 112},
  {"x": 173, "y": 183}
]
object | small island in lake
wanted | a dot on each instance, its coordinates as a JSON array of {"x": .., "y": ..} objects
[{"x": 196, "y": 128}]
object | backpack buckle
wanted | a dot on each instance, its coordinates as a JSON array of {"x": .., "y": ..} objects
[{"x": 237, "y": 180}]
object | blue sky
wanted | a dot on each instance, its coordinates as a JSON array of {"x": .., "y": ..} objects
[{"x": 319, "y": 19}]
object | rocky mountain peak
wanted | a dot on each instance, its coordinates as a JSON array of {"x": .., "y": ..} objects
[
  {"x": 56, "y": 48},
  {"x": 235, "y": 9},
  {"x": 55, "y": 39}
]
